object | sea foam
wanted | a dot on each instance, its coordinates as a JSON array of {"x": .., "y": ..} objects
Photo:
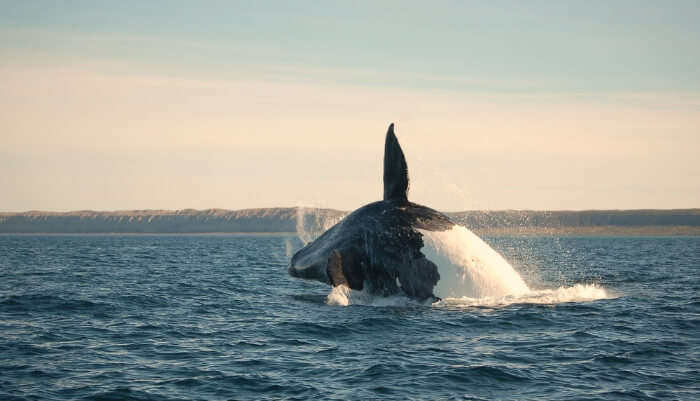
[{"x": 472, "y": 274}]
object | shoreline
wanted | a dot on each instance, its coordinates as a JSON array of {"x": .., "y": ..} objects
[
  {"x": 289, "y": 220},
  {"x": 608, "y": 231}
]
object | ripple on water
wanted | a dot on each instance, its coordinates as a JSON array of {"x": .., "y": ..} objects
[{"x": 218, "y": 318}]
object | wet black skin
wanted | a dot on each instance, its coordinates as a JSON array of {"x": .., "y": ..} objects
[{"x": 378, "y": 243}]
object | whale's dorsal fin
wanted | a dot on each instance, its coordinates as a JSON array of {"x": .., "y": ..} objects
[{"x": 395, "y": 168}]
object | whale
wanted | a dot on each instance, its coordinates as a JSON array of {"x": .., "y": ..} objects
[{"x": 377, "y": 248}]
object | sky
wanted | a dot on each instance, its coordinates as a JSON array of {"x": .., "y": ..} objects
[{"x": 545, "y": 105}]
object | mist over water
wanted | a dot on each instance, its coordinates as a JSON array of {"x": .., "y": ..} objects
[{"x": 312, "y": 222}]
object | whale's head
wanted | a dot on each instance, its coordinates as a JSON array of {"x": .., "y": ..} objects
[
  {"x": 344, "y": 253},
  {"x": 311, "y": 261}
]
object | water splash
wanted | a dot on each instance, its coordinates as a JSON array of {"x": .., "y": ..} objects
[
  {"x": 312, "y": 222},
  {"x": 343, "y": 296},
  {"x": 575, "y": 293},
  {"x": 471, "y": 274},
  {"x": 288, "y": 248},
  {"x": 469, "y": 267},
  {"x": 474, "y": 274}
]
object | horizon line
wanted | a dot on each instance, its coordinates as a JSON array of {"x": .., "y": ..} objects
[{"x": 146, "y": 210}]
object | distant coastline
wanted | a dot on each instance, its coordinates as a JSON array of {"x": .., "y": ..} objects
[{"x": 285, "y": 220}]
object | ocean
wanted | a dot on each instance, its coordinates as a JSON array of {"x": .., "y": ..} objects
[{"x": 217, "y": 317}]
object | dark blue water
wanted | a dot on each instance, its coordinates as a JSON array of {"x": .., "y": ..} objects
[{"x": 217, "y": 318}]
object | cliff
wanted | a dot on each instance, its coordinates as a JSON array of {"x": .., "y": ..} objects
[
  {"x": 156, "y": 221},
  {"x": 587, "y": 222},
  {"x": 280, "y": 220}
]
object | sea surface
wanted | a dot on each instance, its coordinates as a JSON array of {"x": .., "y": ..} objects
[{"x": 217, "y": 317}]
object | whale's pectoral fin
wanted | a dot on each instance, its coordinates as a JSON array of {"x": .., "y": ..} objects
[
  {"x": 335, "y": 269},
  {"x": 341, "y": 271},
  {"x": 418, "y": 278},
  {"x": 395, "y": 168}
]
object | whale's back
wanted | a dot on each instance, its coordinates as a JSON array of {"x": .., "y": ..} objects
[{"x": 378, "y": 246}]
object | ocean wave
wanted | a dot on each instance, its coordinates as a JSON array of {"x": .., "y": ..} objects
[{"x": 49, "y": 303}]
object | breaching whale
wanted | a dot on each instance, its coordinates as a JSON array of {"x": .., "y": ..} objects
[{"x": 378, "y": 246}]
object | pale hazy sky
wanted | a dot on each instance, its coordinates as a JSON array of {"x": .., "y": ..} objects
[{"x": 184, "y": 104}]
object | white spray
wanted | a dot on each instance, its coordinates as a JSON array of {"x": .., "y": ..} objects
[
  {"x": 471, "y": 274},
  {"x": 312, "y": 222},
  {"x": 469, "y": 267},
  {"x": 474, "y": 274}
]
